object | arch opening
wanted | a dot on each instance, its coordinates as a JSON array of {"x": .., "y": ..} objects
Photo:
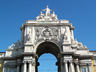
[
  {"x": 47, "y": 63},
  {"x": 47, "y": 49}
]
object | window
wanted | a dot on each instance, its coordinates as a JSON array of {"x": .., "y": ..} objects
[{"x": 84, "y": 69}]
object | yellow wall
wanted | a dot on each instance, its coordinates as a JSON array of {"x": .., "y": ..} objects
[
  {"x": 93, "y": 64},
  {"x": 1, "y": 66}
]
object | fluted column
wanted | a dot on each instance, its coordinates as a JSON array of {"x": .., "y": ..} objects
[
  {"x": 72, "y": 67},
  {"x": 30, "y": 67},
  {"x": 77, "y": 67},
  {"x": 25, "y": 67},
  {"x": 66, "y": 66}
]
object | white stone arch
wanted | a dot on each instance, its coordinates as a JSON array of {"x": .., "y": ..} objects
[
  {"x": 36, "y": 46},
  {"x": 57, "y": 55}
]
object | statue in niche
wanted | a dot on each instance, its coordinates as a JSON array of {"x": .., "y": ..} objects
[
  {"x": 65, "y": 35},
  {"x": 28, "y": 36}
]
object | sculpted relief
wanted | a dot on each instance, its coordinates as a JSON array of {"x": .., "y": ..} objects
[
  {"x": 28, "y": 35},
  {"x": 46, "y": 33}
]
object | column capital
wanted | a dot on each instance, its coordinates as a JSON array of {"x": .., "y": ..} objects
[
  {"x": 77, "y": 63},
  {"x": 24, "y": 61},
  {"x": 30, "y": 62},
  {"x": 65, "y": 61},
  {"x": 71, "y": 61}
]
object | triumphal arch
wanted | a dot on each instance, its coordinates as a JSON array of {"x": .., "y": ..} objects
[{"x": 47, "y": 34}]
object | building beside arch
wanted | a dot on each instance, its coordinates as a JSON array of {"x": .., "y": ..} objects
[
  {"x": 94, "y": 60},
  {"x": 1, "y": 60},
  {"x": 47, "y": 34}
]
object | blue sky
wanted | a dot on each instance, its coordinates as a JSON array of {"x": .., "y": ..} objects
[
  {"x": 81, "y": 13},
  {"x": 47, "y": 63}
]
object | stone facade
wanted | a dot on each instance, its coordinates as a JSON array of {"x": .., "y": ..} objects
[
  {"x": 1, "y": 60},
  {"x": 94, "y": 61},
  {"x": 47, "y": 34}
]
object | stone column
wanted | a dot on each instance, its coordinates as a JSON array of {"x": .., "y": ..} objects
[
  {"x": 18, "y": 68},
  {"x": 33, "y": 67},
  {"x": 3, "y": 69},
  {"x": 77, "y": 67},
  {"x": 72, "y": 67},
  {"x": 66, "y": 66},
  {"x": 25, "y": 67},
  {"x": 30, "y": 67},
  {"x": 88, "y": 67}
]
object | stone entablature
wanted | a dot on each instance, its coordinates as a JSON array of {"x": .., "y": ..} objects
[{"x": 47, "y": 34}]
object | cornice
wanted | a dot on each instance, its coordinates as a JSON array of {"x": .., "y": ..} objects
[
  {"x": 82, "y": 48},
  {"x": 77, "y": 55},
  {"x": 47, "y": 24},
  {"x": 29, "y": 54}
]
